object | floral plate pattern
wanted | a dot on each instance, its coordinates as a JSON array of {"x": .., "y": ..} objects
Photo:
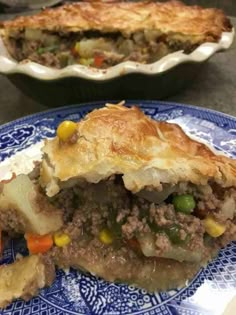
[{"x": 211, "y": 291}]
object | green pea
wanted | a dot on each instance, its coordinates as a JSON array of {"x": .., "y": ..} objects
[
  {"x": 116, "y": 227},
  {"x": 184, "y": 203},
  {"x": 173, "y": 232},
  {"x": 43, "y": 50},
  {"x": 154, "y": 227}
]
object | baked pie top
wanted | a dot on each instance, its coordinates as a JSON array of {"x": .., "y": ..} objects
[
  {"x": 121, "y": 140},
  {"x": 128, "y": 17}
]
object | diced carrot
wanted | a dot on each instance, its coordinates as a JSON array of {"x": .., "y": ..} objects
[
  {"x": 98, "y": 60},
  {"x": 39, "y": 243},
  {"x": 134, "y": 244},
  {"x": 74, "y": 52}
]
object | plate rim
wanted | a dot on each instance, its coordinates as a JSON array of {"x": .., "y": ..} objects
[
  {"x": 93, "y": 105},
  {"x": 129, "y": 102}
]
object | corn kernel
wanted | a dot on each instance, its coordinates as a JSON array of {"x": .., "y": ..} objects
[
  {"x": 106, "y": 237},
  {"x": 61, "y": 240},
  {"x": 86, "y": 61},
  {"x": 66, "y": 129},
  {"x": 213, "y": 228}
]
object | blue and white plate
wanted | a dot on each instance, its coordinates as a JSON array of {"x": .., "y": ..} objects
[{"x": 211, "y": 292}]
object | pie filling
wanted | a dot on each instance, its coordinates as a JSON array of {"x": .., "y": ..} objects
[
  {"x": 155, "y": 239},
  {"x": 180, "y": 222},
  {"x": 175, "y": 222},
  {"x": 114, "y": 233},
  {"x": 92, "y": 48}
]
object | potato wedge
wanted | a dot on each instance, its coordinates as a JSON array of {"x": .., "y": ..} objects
[{"x": 23, "y": 209}]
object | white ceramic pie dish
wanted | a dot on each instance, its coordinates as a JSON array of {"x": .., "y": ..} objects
[
  {"x": 76, "y": 83},
  {"x": 8, "y": 65},
  {"x": 32, "y": 4}
]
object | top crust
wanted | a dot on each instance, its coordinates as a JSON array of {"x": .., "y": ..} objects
[
  {"x": 129, "y": 17},
  {"x": 120, "y": 140}
]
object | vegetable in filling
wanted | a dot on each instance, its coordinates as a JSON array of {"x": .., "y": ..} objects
[
  {"x": 181, "y": 227},
  {"x": 91, "y": 48}
]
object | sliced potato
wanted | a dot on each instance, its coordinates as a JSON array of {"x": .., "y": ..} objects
[
  {"x": 157, "y": 196},
  {"x": 33, "y": 34},
  {"x": 24, "y": 209},
  {"x": 88, "y": 46},
  {"x": 148, "y": 247},
  {"x": 24, "y": 278},
  {"x": 229, "y": 207}
]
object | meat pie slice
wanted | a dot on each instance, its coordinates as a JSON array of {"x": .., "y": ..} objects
[
  {"x": 122, "y": 196},
  {"x": 142, "y": 196},
  {"x": 102, "y": 34}
]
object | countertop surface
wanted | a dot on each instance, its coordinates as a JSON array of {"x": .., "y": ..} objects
[{"x": 214, "y": 87}]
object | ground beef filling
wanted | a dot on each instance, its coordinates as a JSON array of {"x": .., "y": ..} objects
[
  {"x": 148, "y": 230},
  {"x": 12, "y": 222},
  {"x": 146, "y": 239},
  {"x": 92, "y": 48}
]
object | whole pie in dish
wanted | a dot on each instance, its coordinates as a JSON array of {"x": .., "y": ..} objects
[
  {"x": 120, "y": 195},
  {"x": 102, "y": 35}
]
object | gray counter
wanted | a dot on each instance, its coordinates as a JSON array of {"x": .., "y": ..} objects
[{"x": 214, "y": 87}]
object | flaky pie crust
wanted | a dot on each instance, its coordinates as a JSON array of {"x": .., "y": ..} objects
[
  {"x": 121, "y": 140},
  {"x": 199, "y": 24}
]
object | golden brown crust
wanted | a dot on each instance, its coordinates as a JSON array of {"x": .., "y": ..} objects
[
  {"x": 121, "y": 140},
  {"x": 129, "y": 17}
]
